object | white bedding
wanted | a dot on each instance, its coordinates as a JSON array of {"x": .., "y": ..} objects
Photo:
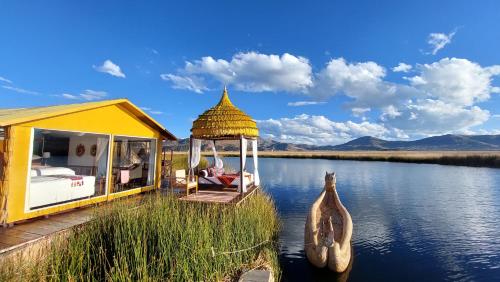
[
  {"x": 52, "y": 189},
  {"x": 45, "y": 171}
]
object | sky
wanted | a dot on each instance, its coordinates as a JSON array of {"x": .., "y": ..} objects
[{"x": 314, "y": 72}]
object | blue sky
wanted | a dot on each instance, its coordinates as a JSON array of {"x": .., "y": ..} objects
[{"x": 322, "y": 72}]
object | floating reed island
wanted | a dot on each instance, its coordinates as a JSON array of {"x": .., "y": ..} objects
[{"x": 163, "y": 239}]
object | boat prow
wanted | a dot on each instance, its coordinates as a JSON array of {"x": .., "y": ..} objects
[{"x": 328, "y": 230}]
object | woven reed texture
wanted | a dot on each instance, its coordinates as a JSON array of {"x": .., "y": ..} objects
[{"x": 224, "y": 120}]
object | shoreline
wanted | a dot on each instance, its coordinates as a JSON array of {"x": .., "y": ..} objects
[{"x": 458, "y": 158}]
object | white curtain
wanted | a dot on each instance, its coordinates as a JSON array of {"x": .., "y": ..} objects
[
  {"x": 255, "y": 163},
  {"x": 195, "y": 155},
  {"x": 124, "y": 159},
  {"x": 101, "y": 157},
  {"x": 217, "y": 161},
  {"x": 152, "y": 164},
  {"x": 243, "y": 186}
]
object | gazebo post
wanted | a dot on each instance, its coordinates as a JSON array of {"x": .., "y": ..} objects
[
  {"x": 241, "y": 165},
  {"x": 190, "y": 156}
]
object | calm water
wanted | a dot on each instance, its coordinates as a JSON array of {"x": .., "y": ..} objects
[{"x": 412, "y": 222}]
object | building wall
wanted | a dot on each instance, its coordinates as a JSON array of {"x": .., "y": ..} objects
[
  {"x": 113, "y": 119},
  {"x": 87, "y": 159}
]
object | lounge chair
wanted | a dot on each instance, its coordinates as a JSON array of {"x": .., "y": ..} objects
[{"x": 184, "y": 182}]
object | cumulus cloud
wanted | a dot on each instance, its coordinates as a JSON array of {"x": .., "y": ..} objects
[
  {"x": 430, "y": 117},
  {"x": 456, "y": 81},
  {"x": 3, "y": 79},
  {"x": 250, "y": 71},
  {"x": 304, "y": 103},
  {"x": 402, "y": 67},
  {"x": 110, "y": 68},
  {"x": 389, "y": 112},
  {"x": 319, "y": 130},
  {"x": 191, "y": 83},
  {"x": 437, "y": 97},
  {"x": 20, "y": 90},
  {"x": 358, "y": 112},
  {"x": 87, "y": 95},
  {"x": 362, "y": 81},
  {"x": 438, "y": 41}
]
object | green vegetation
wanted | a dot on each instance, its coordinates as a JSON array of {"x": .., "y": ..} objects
[
  {"x": 180, "y": 161},
  {"x": 162, "y": 239}
]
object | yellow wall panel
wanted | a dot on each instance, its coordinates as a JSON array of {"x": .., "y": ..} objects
[{"x": 112, "y": 119}]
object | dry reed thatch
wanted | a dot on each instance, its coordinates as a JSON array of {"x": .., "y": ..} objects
[{"x": 224, "y": 120}]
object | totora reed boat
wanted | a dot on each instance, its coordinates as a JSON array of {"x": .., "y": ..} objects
[{"x": 328, "y": 230}]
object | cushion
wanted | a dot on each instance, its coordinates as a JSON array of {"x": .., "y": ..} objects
[
  {"x": 46, "y": 171},
  {"x": 204, "y": 173}
]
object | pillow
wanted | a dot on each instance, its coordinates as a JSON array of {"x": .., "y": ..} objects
[
  {"x": 211, "y": 172},
  {"x": 46, "y": 171}
]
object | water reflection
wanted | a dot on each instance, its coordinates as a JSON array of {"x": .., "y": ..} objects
[{"x": 411, "y": 221}]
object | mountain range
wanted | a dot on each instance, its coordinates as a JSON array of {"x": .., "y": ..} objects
[{"x": 367, "y": 143}]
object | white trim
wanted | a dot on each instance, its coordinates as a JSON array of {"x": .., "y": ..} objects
[
  {"x": 28, "y": 173},
  {"x": 30, "y": 160},
  {"x": 155, "y": 162}
]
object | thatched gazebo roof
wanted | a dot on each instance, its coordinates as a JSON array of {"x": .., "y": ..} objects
[{"x": 224, "y": 121}]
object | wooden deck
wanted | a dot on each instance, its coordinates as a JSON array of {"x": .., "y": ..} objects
[
  {"x": 225, "y": 196},
  {"x": 32, "y": 231}
]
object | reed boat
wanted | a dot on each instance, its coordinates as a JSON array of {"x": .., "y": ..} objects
[{"x": 328, "y": 230}]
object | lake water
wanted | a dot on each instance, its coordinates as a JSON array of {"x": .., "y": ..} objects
[{"x": 412, "y": 222}]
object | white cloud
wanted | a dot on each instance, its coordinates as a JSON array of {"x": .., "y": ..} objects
[
  {"x": 110, "y": 68},
  {"x": 304, "y": 103},
  {"x": 70, "y": 96},
  {"x": 145, "y": 109},
  {"x": 359, "y": 112},
  {"x": 364, "y": 82},
  {"x": 390, "y": 112},
  {"x": 156, "y": 112},
  {"x": 402, "y": 67},
  {"x": 428, "y": 116},
  {"x": 319, "y": 130},
  {"x": 437, "y": 97},
  {"x": 87, "y": 95},
  {"x": 439, "y": 40},
  {"x": 20, "y": 90},
  {"x": 3, "y": 79},
  {"x": 456, "y": 81},
  {"x": 191, "y": 83},
  {"x": 251, "y": 71}
]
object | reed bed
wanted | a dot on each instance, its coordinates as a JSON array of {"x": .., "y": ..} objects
[
  {"x": 461, "y": 158},
  {"x": 163, "y": 239}
]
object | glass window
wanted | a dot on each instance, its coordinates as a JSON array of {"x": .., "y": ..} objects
[
  {"x": 133, "y": 162},
  {"x": 67, "y": 166}
]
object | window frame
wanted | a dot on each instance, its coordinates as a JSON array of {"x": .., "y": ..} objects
[
  {"x": 27, "y": 209},
  {"x": 155, "y": 162}
]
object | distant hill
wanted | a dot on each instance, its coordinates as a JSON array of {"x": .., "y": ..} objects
[
  {"x": 435, "y": 143},
  {"x": 367, "y": 143}
]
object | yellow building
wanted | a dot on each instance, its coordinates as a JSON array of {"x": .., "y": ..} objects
[{"x": 62, "y": 157}]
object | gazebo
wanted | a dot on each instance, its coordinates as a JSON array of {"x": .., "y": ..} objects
[{"x": 225, "y": 121}]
